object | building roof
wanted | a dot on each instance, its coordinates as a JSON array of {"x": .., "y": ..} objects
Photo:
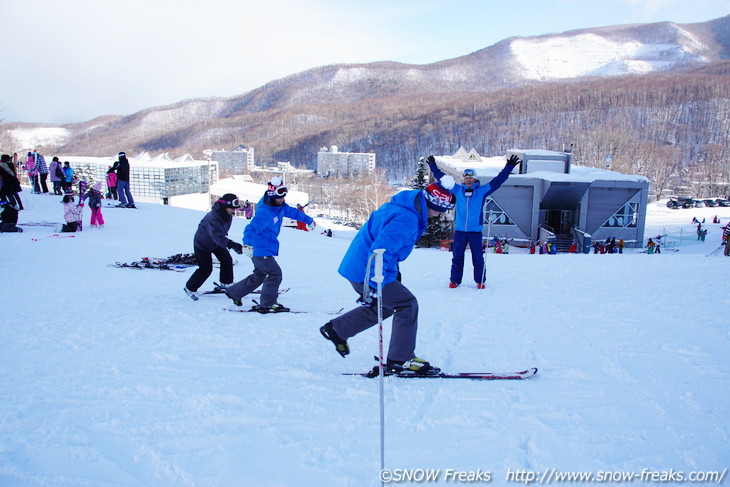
[
  {"x": 140, "y": 160},
  {"x": 488, "y": 167}
]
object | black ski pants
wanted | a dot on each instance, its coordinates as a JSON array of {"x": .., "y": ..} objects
[{"x": 205, "y": 267}]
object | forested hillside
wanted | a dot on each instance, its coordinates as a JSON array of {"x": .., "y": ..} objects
[
  {"x": 671, "y": 125},
  {"x": 651, "y": 125}
]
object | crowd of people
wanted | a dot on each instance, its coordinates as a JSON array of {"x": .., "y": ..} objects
[{"x": 66, "y": 183}]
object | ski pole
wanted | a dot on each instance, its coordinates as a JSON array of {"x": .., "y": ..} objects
[
  {"x": 486, "y": 248},
  {"x": 378, "y": 278}
]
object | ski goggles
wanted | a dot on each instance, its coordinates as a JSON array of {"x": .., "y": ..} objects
[
  {"x": 279, "y": 192},
  {"x": 230, "y": 204},
  {"x": 469, "y": 173}
]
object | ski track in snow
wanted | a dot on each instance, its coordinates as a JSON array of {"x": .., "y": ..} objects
[{"x": 113, "y": 377}]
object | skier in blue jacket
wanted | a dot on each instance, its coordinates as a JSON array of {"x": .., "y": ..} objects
[
  {"x": 395, "y": 227},
  {"x": 469, "y": 219},
  {"x": 261, "y": 244}
]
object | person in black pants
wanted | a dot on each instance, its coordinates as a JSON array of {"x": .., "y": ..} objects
[
  {"x": 10, "y": 203},
  {"x": 210, "y": 239}
]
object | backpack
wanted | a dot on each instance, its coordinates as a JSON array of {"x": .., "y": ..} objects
[{"x": 59, "y": 172}]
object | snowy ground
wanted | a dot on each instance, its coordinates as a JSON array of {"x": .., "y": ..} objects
[{"x": 113, "y": 377}]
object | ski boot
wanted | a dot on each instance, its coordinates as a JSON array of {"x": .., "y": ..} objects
[
  {"x": 453, "y": 285},
  {"x": 237, "y": 302},
  {"x": 328, "y": 331},
  {"x": 481, "y": 285},
  {"x": 274, "y": 308},
  {"x": 190, "y": 293},
  {"x": 413, "y": 366},
  {"x": 218, "y": 288}
]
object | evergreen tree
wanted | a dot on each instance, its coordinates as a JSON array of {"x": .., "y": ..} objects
[
  {"x": 437, "y": 230},
  {"x": 420, "y": 180},
  {"x": 439, "y": 227}
]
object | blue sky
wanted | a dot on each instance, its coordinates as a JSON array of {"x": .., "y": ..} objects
[{"x": 72, "y": 60}]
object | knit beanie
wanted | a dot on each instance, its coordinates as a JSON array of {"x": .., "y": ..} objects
[{"x": 439, "y": 196}]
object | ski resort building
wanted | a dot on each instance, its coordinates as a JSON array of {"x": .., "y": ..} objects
[
  {"x": 156, "y": 179},
  {"x": 547, "y": 197},
  {"x": 332, "y": 162},
  {"x": 230, "y": 162}
]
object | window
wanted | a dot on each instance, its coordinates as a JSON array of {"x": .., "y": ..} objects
[
  {"x": 625, "y": 217},
  {"x": 497, "y": 215}
]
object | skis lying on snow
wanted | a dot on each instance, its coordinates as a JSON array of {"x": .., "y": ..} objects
[
  {"x": 146, "y": 264},
  {"x": 293, "y": 311},
  {"x": 409, "y": 374},
  {"x": 177, "y": 262},
  {"x": 39, "y": 224}
]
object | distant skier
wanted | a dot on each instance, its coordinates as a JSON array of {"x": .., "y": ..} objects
[
  {"x": 261, "y": 243},
  {"x": 94, "y": 196},
  {"x": 211, "y": 238},
  {"x": 650, "y": 246},
  {"x": 122, "y": 170},
  {"x": 395, "y": 227},
  {"x": 301, "y": 225},
  {"x": 469, "y": 218}
]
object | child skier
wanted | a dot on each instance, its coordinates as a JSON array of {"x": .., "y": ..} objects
[
  {"x": 94, "y": 196},
  {"x": 211, "y": 238},
  {"x": 261, "y": 243},
  {"x": 71, "y": 213},
  {"x": 395, "y": 227}
]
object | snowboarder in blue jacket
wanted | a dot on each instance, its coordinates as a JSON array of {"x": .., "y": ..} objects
[
  {"x": 469, "y": 218},
  {"x": 395, "y": 227},
  {"x": 261, "y": 244}
]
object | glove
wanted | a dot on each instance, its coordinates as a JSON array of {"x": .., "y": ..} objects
[
  {"x": 370, "y": 299},
  {"x": 431, "y": 160},
  {"x": 237, "y": 247},
  {"x": 247, "y": 251},
  {"x": 311, "y": 226},
  {"x": 514, "y": 160}
]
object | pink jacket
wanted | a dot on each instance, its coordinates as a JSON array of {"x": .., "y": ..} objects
[
  {"x": 30, "y": 166},
  {"x": 111, "y": 180}
]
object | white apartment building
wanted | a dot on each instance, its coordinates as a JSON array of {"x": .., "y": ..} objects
[
  {"x": 332, "y": 162},
  {"x": 237, "y": 161}
]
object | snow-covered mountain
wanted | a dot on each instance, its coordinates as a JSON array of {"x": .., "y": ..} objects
[
  {"x": 606, "y": 51},
  {"x": 115, "y": 378},
  {"x": 519, "y": 61}
]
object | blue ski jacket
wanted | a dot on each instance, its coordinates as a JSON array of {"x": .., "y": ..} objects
[
  {"x": 262, "y": 233},
  {"x": 395, "y": 227},
  {"x": 470, "y": 202}
]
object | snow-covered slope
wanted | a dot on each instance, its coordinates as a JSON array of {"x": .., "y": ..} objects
[
  {"x": 612, "y": 51},
  {"x": 113, "y": 377}
]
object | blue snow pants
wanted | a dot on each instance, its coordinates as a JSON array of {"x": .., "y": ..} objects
[{"x": 461, "y": 239}]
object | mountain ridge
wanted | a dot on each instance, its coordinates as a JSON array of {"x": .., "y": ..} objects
[{"x": 309, "y": 106}]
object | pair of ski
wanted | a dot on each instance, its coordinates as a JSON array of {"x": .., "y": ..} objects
[
  {"x": 409, "y": 374},
  {"x": 291, "y": 311},
  {"x": 219, "y": 290}
]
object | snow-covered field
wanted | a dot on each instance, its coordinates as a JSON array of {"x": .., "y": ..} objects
[{"x": 113, "y": 377}]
